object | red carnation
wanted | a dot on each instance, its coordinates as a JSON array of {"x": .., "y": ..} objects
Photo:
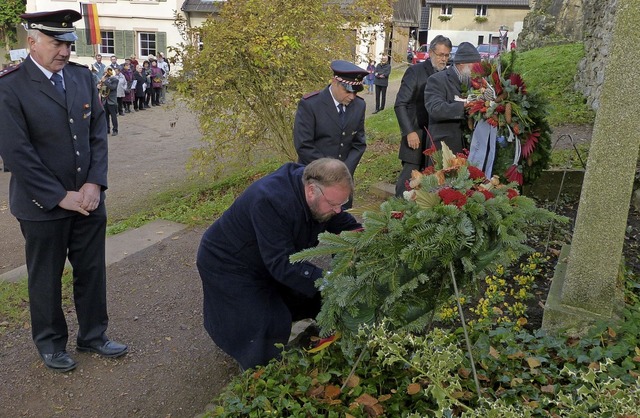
[
  {"x": 450, "y": 196},
  {"x": 396, "y": 214},
  {"x": 429, "y": 170},
  {"x": 475, "y": 173},
  {"x": 511, "y": 193},
  {"x": 500, "y": 109},
  {"x": 487, "y": 194}
]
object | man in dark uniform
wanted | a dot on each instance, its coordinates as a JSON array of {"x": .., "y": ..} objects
[
  {"x": 252, "y": 293},
  {"x": 53, "y": 138},
  {"x": 443, "y": 101},
  {"x": 411, "y": 113},
  {"x": 330, "y": 122}
]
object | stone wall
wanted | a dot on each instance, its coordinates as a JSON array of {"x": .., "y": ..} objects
[
  {"x": 560, "y": 21},
  {"x": 598, "y": 30}
]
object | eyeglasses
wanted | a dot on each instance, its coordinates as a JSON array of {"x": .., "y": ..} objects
[
  {"x": 347, "y": 88},
  {"x": 333, "y": 205},
  {"x": 442, "y": 55}
]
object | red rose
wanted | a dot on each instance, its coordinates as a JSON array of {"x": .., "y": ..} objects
[
  {"x": 396, "y": 214},
  {"x": 451, "y": 196}
]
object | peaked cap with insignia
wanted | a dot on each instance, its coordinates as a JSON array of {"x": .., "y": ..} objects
[
  {"x": 57, "y": 24},
  {"x": 349, "y": 75}
]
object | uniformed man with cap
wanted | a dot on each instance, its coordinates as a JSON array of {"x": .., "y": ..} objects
[
  {"x": 54, "y": 139},
  {"x": 330, "y": 122}
]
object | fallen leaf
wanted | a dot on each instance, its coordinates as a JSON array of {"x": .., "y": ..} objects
[
  {"x": 383, "y": 398},
  {"x": 374, "y": 410},
  {"x": 548, "y": 389},
  {"x": 331, "y": 391},
  {"x": 366, "y": 399},
  {"x": 464, "y": 372},
  {"x": 594, "y": 365},
  {"x": 494, "y": 353},
  {"x": 353, "y": 381},
  {"x": 533, "y": 362},
  {"x": 516, "y": 355},
  {"x": 612, "y": 333},
  {"x": 414, "y": 388}
]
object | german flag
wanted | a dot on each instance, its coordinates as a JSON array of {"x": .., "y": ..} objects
[{"x": 90, "y": 14}]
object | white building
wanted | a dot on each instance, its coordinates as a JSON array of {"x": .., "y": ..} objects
[{"x": 147, "y": 27}]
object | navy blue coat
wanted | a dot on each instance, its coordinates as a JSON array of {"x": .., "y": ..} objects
[
  {"x": 445, "y": 114},
  {"x": 51, "y": 145},
  {"x": 318, "y": 131},
  {"x": 250, "y": 287}
]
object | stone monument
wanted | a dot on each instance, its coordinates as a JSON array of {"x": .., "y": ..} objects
[{"x": 586, "y": 285}]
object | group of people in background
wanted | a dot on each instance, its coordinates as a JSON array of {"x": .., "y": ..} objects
[
  {"x": 378, "y": 78},
  {"x": 130, "y": 85}
]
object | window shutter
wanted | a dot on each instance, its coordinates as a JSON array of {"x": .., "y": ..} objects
[
  {"x": 161, "y": 42},
  {"x": 129, "y": 43},
  {"x": 82, "y": 49},
  {"x": 119, "y": 45}
]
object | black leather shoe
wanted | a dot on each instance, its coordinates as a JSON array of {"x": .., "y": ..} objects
[
  {"x": 60, "y": 361},
  {"x": 106, "y": 349}
]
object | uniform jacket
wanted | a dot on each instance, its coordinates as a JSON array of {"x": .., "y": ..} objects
[
  {"x": 410, "y": 111},
  {"x": 445, "y": 114},
  {"x": 52, "y": 144},
  {"x": 318, "y": 131},
  {"x": 382, "y": 70},
  {"x": 264, "y": 226}
]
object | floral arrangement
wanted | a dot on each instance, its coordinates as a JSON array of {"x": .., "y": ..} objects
[
  {"x": 454, "y": 182},
  {"x": 501, "y": 106},
  {"x": 398, "y": 268}
]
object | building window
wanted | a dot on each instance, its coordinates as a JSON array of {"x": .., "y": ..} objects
[
  {"x": 446, "y": 10},
  {"x": 199, "y": 42},
  {"x": 147, "y": 44},
  {"x": 481, "y": 10},
  {"x": 107, "y": 46}
]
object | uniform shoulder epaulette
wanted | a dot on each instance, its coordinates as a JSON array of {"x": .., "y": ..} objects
[
  {"x": 359, "y": 97},
  {"x": 9, "y": 70},
  {"x": 314, "y": 93}
]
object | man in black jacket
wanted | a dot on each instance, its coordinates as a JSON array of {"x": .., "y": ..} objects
[
  {"x": 411, "y": 113},
  {"x": 443, "y": 101},
  {"x": 54, "y": 140}
]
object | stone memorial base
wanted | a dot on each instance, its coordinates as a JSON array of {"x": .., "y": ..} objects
[{"x": 570, "y": 320}]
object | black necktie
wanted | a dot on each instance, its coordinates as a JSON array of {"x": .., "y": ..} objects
[
  {"x": 341, "y": 113},
  {"x": 57, "y": 83}
]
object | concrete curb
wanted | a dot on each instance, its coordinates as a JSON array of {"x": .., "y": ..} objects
[{"x": 121, "y": 245}]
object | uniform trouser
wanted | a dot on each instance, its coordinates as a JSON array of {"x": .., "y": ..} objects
[
  {"x": 246, "y": 316},
  {"x": 48, "y": 244},
  {"x": 381, "y": 97}
]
